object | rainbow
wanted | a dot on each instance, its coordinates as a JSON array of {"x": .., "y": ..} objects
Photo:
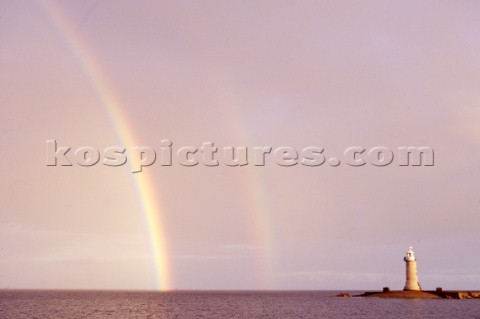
[
  {"x": 150, "y": 207},
  {"x": 261, "y": 219},
  {"x": 260, "y": 212}
]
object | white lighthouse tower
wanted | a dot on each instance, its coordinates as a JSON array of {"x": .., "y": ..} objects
[{"x": 412, "y": 277}]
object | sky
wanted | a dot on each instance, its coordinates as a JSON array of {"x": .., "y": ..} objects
[{"x": 93, "y": 75}]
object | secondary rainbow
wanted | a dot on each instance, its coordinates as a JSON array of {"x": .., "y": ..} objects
[
  {"x": 150, "y": 206},
  {"x": 260, "y": 214}
]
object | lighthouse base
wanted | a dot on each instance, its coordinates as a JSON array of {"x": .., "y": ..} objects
[
  {"x": 435, "y": 294},
  {"x": 411, "y": 286}
]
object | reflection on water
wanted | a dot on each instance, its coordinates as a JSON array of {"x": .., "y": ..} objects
[{"x": 223, "y": 304}]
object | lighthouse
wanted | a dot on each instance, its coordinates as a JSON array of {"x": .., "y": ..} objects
[{"x": 411, "y": 267}]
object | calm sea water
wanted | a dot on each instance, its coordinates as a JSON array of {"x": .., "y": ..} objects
[{"x": 223, "y": 304}]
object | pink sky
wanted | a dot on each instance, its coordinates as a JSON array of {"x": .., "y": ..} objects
[{"x": 275, "y": 73}]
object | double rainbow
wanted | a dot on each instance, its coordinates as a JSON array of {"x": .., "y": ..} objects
[{"x": 147, "y": 200}]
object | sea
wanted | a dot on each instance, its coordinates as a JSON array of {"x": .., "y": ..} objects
[{"x": 223, "y": 304}]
